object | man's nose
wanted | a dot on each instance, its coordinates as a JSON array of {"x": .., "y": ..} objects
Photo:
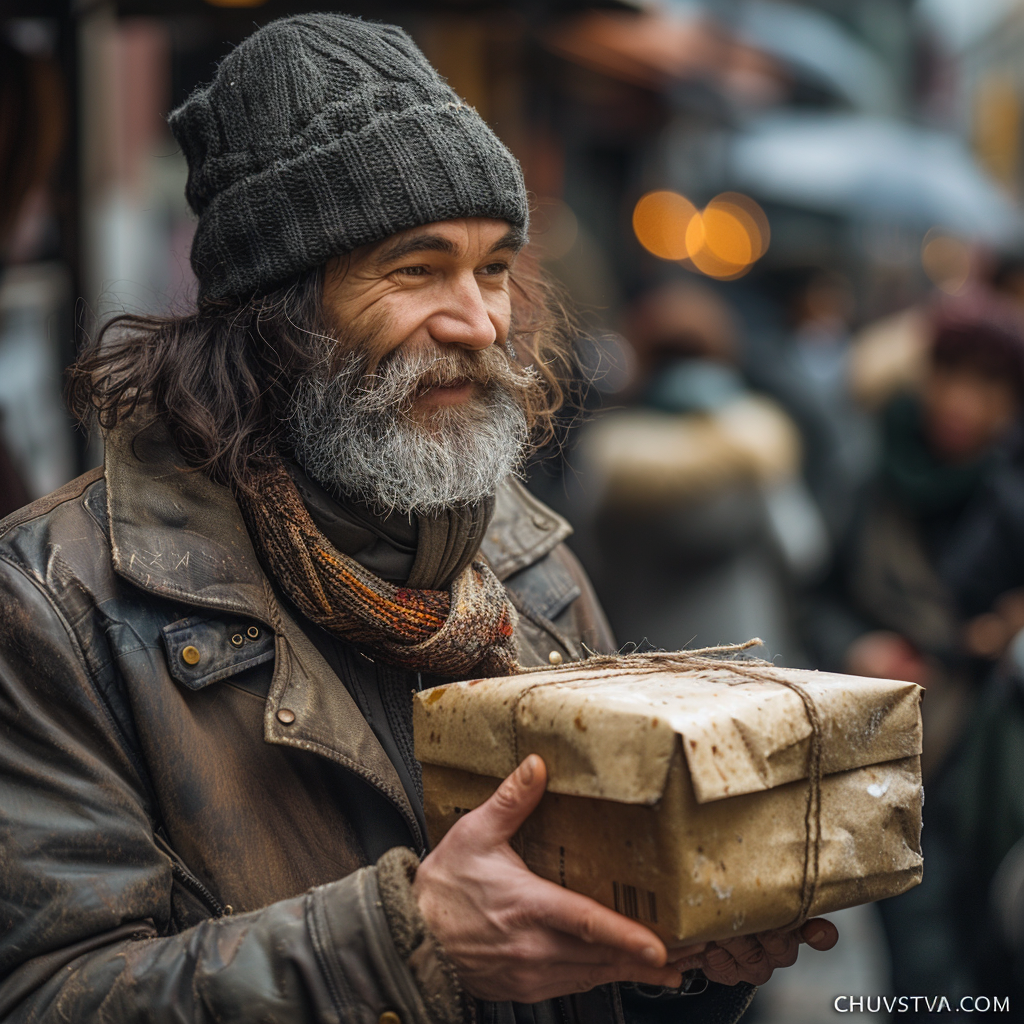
[{"x": 464, "y": 318}]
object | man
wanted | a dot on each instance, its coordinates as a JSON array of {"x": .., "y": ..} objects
[{"x": 307, "y": 511}]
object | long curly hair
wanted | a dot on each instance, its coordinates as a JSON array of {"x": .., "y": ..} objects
[{"x": 221, "y": 376}]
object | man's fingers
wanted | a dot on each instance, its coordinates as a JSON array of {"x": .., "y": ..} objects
[
  {"x": 669, "y": 977},
  {"x": 753, "y": 958},
  {"x": 782, "y": 947},
  {"x": 556, "y": 964},
  {"x": 559, "y": 947},
  {"x": 682, "y": 952},
  {"x": 819, "y": 934},
  {"x": 746, "y": 951},
  {"x": 685, "y": 958},
  {"x": 740, "y": 959},
  {"x": 512, "y": 803},
  {"x": 585, "y": 918},
  {"x": 550, "y": 947}
]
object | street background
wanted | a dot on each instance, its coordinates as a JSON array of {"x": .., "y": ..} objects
[{"x": 766, "y": 214}]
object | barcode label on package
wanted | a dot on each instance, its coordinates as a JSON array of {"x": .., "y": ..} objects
[{"x": 639, "y": 904}]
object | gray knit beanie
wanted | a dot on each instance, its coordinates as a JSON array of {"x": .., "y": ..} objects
[{"x": 321, "y": 133}]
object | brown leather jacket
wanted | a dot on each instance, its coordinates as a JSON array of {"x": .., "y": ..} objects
[{"x": 189, "y": 840}]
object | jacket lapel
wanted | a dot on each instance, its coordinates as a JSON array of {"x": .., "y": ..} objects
[
  {"x": 324, "y": 719},
  {"x": 522, "y": 530}
]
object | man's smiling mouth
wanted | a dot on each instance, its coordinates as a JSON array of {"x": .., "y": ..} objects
[{"x": 449, "y": 393}]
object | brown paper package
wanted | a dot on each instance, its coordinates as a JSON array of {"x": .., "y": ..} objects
[{"x": 688, "y": 798}]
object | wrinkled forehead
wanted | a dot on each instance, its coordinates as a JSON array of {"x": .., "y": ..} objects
[{"x": 463, "y": 236}]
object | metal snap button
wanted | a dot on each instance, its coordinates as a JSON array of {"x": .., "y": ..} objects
[
  {"x": 286, "y": 716},
  {"x": 555, "y": 658},
  {"x": 253, "y": 632},
  {"x": 238, "y": 639},
  {"x": 190, "y": 655},
  {"x": 389, "y": 1017}
]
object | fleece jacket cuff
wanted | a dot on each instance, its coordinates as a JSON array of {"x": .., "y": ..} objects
[{"x": 435, "y": 975}]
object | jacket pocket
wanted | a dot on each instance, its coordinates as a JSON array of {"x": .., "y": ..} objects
[{"x": 201, "y": 650}]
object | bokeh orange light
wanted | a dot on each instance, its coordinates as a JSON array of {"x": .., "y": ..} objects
[
  {"x": 660, "y": 220},
  {"x": 723, "y": 241},
  {"x": 750, "y": 215},
  {"x": 719, "y": 243}
]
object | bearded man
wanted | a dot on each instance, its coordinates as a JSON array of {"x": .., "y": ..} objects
[{"x": 210, "y": 810}]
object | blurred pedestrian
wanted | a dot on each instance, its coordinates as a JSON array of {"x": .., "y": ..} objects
[
  {"x": 941, "y": 449},
  {"x": 921, "y": 577},
  {"x": 804, "y": 363},
  {"x": 978, "y": 814},
  {"x": 693, "y": 490}
]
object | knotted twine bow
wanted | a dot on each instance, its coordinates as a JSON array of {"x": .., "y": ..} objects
[
  {"x": 751, "y": 669},
  {"x": 468, "y": 630}
]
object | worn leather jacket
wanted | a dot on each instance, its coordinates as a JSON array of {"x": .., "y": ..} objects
[{"x": 193, "y": 810}]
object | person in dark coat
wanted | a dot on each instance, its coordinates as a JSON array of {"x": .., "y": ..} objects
[
  {"x": 900, "y": 605},
  {"x": 921, "y": 594}
]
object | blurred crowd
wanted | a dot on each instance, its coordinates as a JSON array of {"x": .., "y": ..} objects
[
  {"x": 792, "y": 235},
  {"x": 894, "y": 547}
]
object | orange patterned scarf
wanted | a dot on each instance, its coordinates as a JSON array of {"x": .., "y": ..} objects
[{"x": 468, "y": 630}]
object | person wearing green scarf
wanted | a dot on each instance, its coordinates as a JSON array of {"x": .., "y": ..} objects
[{"x": 943, "y": 450}]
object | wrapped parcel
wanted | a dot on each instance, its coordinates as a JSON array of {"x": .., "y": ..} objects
[{"x": 704, "y": 799}]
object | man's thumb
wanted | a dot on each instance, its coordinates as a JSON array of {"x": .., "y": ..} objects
[{"x": 514, "y": 800}]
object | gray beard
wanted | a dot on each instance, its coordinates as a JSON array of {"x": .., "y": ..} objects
[{"x": 353, "y": 432}]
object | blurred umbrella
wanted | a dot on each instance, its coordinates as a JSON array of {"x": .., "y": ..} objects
[{"x": 868, "y": 166}]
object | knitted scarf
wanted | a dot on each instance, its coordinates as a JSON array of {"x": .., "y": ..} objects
[{"x": 468, "y": 630}]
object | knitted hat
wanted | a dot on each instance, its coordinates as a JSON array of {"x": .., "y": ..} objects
[
  {"x": 981, "y": 328},
  {"x": 321, "y": 133}
]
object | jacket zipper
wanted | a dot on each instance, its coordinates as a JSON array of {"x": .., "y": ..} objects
[
  {"x": 187, "y": 879},
  {"x": 198, "y": 889}
]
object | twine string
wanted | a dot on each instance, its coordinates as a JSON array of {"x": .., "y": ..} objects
[{"x": 753, "y": 669}]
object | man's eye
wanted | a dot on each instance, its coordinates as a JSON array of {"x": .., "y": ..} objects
[
  {"x": 495, "y": 268},
  {"x": 411, "y": 271}
]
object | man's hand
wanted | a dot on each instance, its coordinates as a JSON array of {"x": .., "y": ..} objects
[
  {"x": 753, "y": 958},
  {"x": 513, "y": 935}
]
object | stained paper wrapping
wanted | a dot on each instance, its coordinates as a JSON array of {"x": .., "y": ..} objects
[{"x": 680, "y": 797}]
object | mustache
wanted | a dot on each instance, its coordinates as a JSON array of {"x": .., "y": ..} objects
[{"x": 402, "y": 376}]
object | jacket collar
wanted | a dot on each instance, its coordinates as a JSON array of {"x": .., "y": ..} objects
[
  {"x": 175, "y": 533},
  {"x": 522, "y": 531}
]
